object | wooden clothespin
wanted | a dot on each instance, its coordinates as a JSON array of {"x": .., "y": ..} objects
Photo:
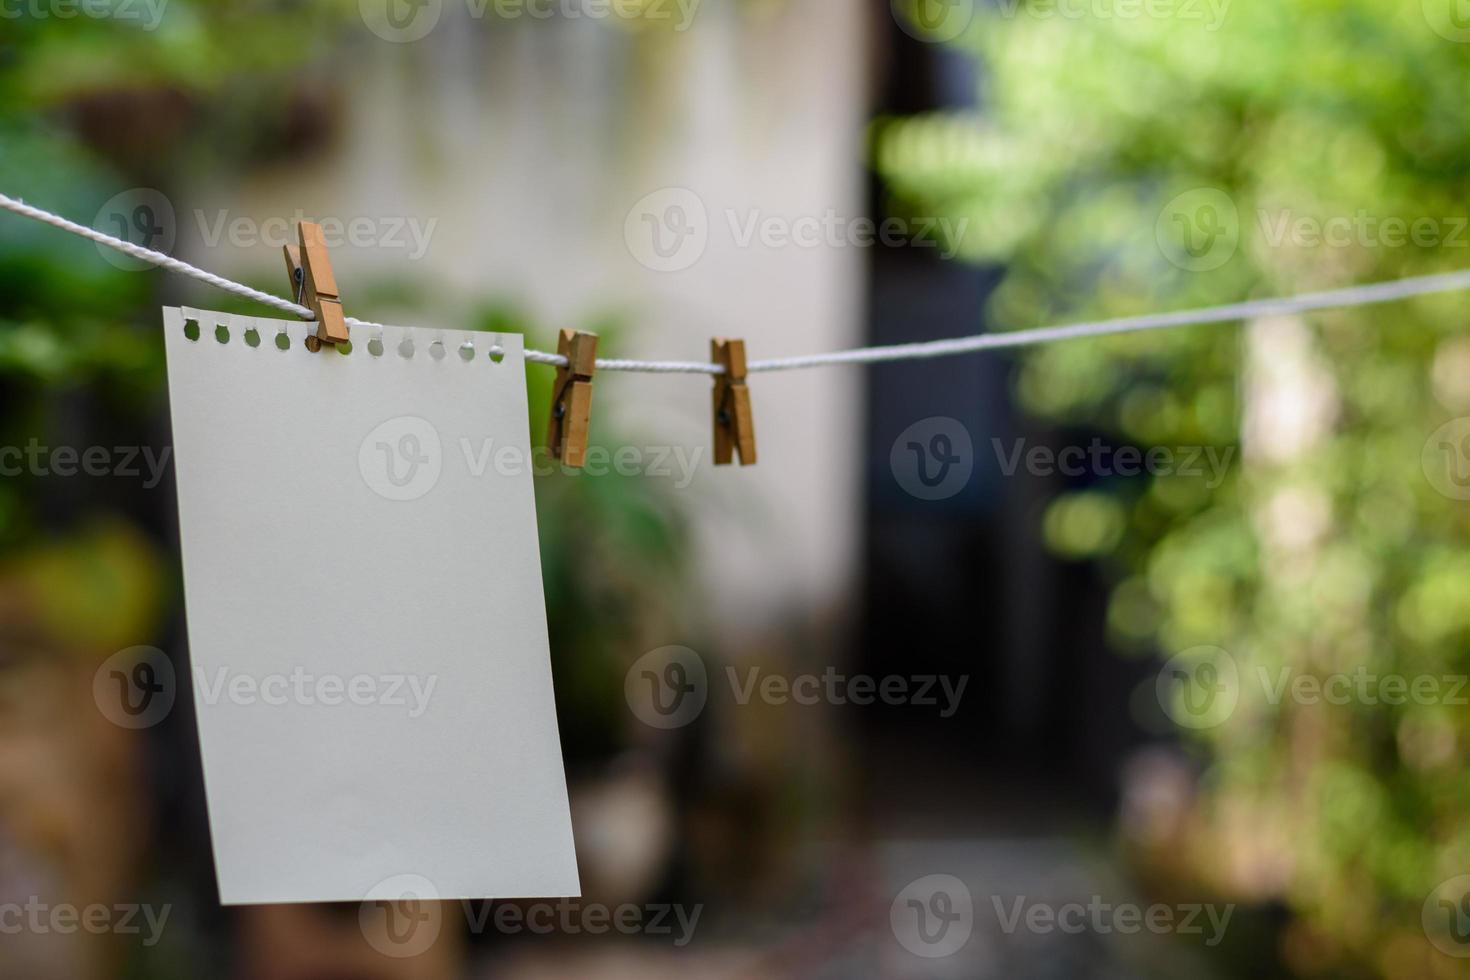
[
  {"x": 314, "y": 286},
  {"x": 734, "y": 422},
  {"x": 571, "y": 398}
]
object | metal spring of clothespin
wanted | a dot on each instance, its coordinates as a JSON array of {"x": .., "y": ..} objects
[
  {"x": 314, "y": 286},
  {"x": 571, "y": 398},
  {"x": 734, "y": 421}
]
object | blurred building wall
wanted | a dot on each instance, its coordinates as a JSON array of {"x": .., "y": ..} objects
[{"x": 530, "y": 142}]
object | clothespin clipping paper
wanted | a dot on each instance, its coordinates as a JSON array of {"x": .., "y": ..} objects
[{"x": 314, "y": 285}]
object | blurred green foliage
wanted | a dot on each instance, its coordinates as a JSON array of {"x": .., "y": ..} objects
[
  {"x": 1326, "y": 549},
  {"x": 91, "y": 105}
]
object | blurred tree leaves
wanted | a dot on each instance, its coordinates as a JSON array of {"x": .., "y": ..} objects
[
  {"x": 1326, "y": 550},
  {"x": 95, "y": 99}
]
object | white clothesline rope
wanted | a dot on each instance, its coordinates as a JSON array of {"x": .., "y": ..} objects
[{"x": 1382, "y": 292}]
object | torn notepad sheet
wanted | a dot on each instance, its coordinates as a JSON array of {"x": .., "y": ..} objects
[{"x": 367, "y": 629}]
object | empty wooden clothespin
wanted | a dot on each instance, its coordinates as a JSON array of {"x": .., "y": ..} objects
[
  {"x": 314, "y": 286},
  {"x": 571, "y": 398},
  {"x": 734, "y": 422}
]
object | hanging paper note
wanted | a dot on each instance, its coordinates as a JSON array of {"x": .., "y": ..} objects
[{"x": 367, "y": 630}]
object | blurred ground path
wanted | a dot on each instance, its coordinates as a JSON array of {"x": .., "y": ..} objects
[{"x": 1013, "y": 841}]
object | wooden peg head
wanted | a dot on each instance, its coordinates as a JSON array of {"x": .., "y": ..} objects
[
  {"x": 314, "y": 285},
  {"x": 571, "y": 398},
  {"x": 733, "y": 417}
]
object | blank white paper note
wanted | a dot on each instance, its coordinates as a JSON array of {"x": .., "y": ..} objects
[{"x": 367, "y": 628}]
